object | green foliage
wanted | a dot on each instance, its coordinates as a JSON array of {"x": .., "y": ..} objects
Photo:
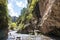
[
  {"x": 26, "y": 14},
  {"x": 3, "y": 20},
  {"x": 29, "y": 17},
  {"x": 22, "y": 16},
  {"x": 12, "y": 26},
  {"x": 3, "y": 14},
  {"x": 23, "y": 11},
  {"x": 21, "y": 26},
  {"x": 34, "y": 2},
  {"x": 32, "y": 5}
]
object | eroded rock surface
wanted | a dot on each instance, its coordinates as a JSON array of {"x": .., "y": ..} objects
[{"x": 50, "y": 12}]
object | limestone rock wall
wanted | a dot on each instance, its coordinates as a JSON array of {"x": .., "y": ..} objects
[{"x": 50, "y": 12}]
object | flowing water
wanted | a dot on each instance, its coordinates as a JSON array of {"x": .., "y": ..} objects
[{"x": 15, "y": 36}]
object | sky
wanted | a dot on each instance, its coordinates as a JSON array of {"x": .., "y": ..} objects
[{"x": 15, "y": 7}]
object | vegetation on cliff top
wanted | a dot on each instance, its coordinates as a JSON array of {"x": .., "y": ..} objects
[{"x": 26, "y": 14}]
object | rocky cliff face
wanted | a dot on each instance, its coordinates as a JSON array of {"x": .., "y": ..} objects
[
  {"x": 3, "y": 20},
  {"x": 50, "y": 12},
  {"x": 46, "y": 17}
]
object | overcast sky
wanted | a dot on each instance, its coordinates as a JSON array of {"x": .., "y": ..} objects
[{"x": 15, "y": 6}]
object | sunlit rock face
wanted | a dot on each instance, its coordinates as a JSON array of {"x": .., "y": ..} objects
[{"x": 50, "y": 12}]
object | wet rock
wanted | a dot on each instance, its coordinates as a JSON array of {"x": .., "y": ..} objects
[{"x": 3, "y": 35}]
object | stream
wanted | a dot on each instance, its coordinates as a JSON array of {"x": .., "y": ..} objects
[{"x": 12, "y": 35}]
